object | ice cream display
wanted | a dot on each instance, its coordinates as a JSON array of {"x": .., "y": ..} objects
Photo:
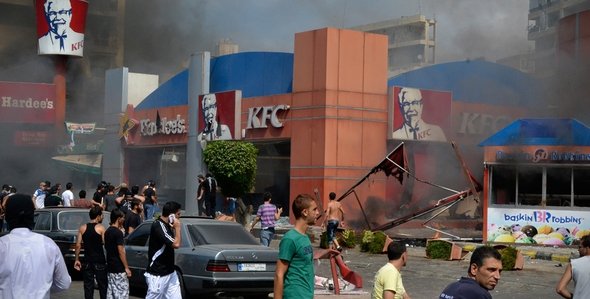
[
  {"x": 529, "y": 230},
  {"x": 545, "y": 229},
  {"x": 536, "y": 226},
  {"x": 529, "y": 234}
]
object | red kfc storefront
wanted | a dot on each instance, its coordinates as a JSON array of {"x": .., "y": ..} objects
[{"x": 340, "y": 120}]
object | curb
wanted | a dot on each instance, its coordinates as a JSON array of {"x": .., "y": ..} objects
[{"x": 531, "y": 253}]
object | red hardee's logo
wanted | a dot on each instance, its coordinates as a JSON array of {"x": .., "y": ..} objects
[
  {"x": 61, "y": 26},
  {"x": 540, "y": 155}
]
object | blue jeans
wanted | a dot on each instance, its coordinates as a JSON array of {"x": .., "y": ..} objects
[
  {"x": 266, "y": 236},
  {"x": 149, "y": 211},
  {"x": 331, "y": 230}
]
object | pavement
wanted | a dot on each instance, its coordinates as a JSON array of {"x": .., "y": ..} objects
[
  {"x": 418, "y": 237},
  {"x": 543, "y": 266}
]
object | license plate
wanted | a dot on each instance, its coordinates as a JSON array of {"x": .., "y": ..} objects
[{"x": 251, "y": 267}]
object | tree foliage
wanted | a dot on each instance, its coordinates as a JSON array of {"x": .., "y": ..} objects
[{"x": 233, "y": 164}]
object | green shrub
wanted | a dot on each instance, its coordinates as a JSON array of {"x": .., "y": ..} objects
[
  {"x": 438, "y": 249},
  {"x": 508, "y": 257},
  {"x": 373, "y": 242},
  {"x": 348, "y": 238}
]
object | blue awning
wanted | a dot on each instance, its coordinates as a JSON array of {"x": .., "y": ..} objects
[{"x": 541, "y": 131}]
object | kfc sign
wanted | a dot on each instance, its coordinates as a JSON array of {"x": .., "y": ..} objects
[
  {"x": 27, "y": 103},
  {"x": 162, "y": 126},
  {"x": 258, "y": 117}
]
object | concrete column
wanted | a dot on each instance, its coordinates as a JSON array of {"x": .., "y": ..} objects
[
  {"x": 198, "y": 83},
  {"x": 115, "y": 102}
]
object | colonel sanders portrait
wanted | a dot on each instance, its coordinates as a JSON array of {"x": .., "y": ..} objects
[
  {"x": 414, "y": 127},
  {"x": 60, "y": 38}
]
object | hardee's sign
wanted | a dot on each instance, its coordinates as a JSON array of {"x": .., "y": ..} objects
[
  {"x": 161, "y": 126},
  {"x": 27, "y": 103}
]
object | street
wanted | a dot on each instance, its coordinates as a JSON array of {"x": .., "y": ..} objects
[{"x": 425, "y": 278}]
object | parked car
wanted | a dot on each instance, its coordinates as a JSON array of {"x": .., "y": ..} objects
[
  {"x": 61, "y": 224},
  {"x": 215, "y": 258}
]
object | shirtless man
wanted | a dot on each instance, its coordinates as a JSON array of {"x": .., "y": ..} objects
[{"x": 334, "y": 217}]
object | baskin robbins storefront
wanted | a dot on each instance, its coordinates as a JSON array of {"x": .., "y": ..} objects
[{"x": 537, "y": 182}]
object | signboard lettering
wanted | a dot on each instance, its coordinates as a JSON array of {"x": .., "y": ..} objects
[
  {"x": 258, "y": 117},
  {"x": 162, "y": 126},
  {"x": 10, "y": 102},
  {"x": 541, "y": 155},
  {"x": 479, "y": 123}
]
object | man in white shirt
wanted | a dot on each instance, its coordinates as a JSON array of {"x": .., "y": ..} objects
[
  {"x": 32, "y": 264},
  {"x": 67, "y": 196},
  {"x": 39, "y": 195}
]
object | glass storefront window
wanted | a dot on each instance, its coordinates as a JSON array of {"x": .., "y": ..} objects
[
  {"x": 552, "y": 186},
  {"x": 581, "y": 187},
  {"x": 559, "y": 186},
  {"x": 503, "y": 185},
  {"x": 530, "y": 185}
]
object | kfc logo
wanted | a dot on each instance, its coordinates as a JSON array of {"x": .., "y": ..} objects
[{"x": 60, "y": 26}]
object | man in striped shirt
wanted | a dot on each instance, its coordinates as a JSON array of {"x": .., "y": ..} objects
[{"x": 267, "y": 214}]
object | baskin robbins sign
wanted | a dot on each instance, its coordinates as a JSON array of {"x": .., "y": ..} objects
[{"x": 537, "y": 226}]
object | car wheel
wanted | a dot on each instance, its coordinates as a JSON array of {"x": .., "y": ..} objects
[{"x": 182, "y": 289}]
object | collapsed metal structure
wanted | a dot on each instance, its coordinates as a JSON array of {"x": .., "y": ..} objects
[{"x": 395, "y": 164}]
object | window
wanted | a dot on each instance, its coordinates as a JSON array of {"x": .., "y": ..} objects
[
  {"x": 69, "y": 220},
  {"x": 220, "y": 234},
  {"x": 559, "y": 186},
  {"x": 504, "y": 185},
  {"x": 43, "y": 221},
  {"x": 530, "y": 185},
  {"x": 581, "y": 187},
  {"x": 551, "y": 186},
  {"x": 140, "y": 236}
]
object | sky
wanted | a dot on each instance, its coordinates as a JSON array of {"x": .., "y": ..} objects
[{"x": 161, "y": 35}]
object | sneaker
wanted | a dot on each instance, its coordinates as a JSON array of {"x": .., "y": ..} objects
[{"x": 339, "y": 248}]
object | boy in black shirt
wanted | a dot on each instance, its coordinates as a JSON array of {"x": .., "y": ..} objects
[
  {"x": 165, "y": 234},
  {"x": 117, "y": 269}
]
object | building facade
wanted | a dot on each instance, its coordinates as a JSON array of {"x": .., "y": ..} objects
[{"x": 411, "y": 42}]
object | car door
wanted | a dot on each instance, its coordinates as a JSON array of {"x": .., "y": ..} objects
[{"x": 136, "y": 249}]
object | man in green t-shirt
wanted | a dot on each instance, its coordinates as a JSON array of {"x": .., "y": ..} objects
[
  {"x": 294, "y": 275},
  {"x": 388, "y": 280}
]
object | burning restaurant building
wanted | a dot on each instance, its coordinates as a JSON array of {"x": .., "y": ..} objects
[{"x": 322, "y": 118}]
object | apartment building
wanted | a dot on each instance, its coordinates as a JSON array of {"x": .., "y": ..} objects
[{"x": 412, "y": 42}]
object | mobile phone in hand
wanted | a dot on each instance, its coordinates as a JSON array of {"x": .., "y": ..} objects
[{"x": 171, "y": 218}]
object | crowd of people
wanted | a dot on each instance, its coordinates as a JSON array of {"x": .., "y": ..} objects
[
  {"x": 106, "y": 264},
  {"x": 142, "y": 201}
]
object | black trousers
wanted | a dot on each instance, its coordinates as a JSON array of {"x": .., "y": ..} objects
[
  {"x": 90, "y": 272},
  {"x": 210, "y": 206}
]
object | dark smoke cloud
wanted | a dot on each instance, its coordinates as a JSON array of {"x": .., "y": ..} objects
[{"x": 160, "y": 36}]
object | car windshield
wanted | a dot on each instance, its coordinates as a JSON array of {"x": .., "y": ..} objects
[
  {"x": 213, "y": 233},
  {"x": 71, "y": 220}
]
